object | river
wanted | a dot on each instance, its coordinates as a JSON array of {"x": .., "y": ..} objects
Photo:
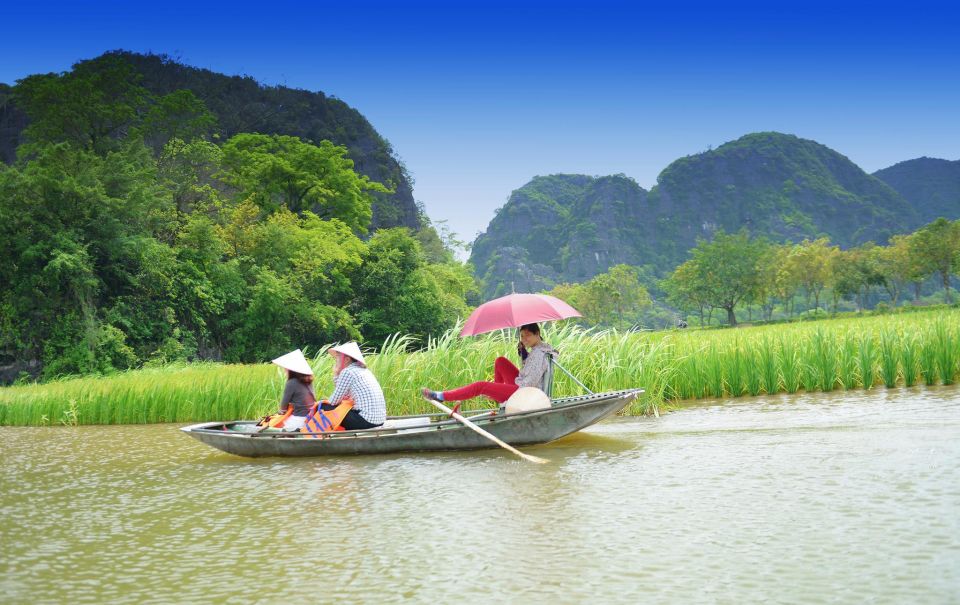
[{"x": 847, "y": 497}]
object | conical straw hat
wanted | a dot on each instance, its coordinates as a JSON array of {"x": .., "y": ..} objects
[
  {"x": 351, "y": 350},
  {"x": 295, "y": 361},
  {"x": 526, "y": 399}
]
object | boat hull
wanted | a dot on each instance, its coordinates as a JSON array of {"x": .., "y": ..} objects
[{"x": 541, "y": 426}]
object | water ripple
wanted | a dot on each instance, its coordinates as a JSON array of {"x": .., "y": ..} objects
[{"x": 836, "y": 498}]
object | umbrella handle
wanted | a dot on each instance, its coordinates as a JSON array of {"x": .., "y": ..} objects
[{"x": 521, "y": 350}]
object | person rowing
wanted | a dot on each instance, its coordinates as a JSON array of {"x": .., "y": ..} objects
[{"x": 507, "y": 378}]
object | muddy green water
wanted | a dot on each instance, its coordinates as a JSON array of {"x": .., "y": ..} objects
[{"x": 837, "y": 498}]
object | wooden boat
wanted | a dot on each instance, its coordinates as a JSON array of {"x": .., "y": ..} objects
[{"x": 419, "y": 433}]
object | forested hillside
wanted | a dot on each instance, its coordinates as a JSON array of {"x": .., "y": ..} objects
[
  {"x": 138, "y": 226},
  {"x": 563, "y": 228},
  {"x": 930, "y": 184},
  {"x": 240, "y": 104},
  {"x": 568, "y": 228}
]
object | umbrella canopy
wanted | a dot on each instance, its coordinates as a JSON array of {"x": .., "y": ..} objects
[{"x": 515, "y": 310}]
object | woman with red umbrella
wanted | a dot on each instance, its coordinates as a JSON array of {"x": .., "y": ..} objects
[{"x": 507, "y": 378}]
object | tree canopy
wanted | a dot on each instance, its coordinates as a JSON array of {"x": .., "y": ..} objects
[
  {"x": 129, "y": 235},
  {"x": 724, "y": 272}
]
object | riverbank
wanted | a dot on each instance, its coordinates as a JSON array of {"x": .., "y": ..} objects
[{"x": 847, "y": 353}]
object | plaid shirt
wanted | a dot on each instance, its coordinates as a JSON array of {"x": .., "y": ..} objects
[{"x": 359, "y": 384}]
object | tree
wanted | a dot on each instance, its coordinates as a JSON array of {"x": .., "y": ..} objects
[
  {"x": 68, "y": 219},
  {"x": 101, "y": 103},
  {"x": 111, "y": 256},
  {"x": 726, "y": 270},
  {"x": 91, "y": 107},
  {"x": 613, "y": 298},
  {"x": 936, "y": 247},
  {"x": 811, "y": 264},
  {"x": 854, "y": 272},
  {"x": 320, "y": 254},
  {"x": 684, "y": 290},
  {"x": 178, "y": 115},
  {"x": 439, "y": 243},
  {"x": 621, "y": 285},
  {"x": 767, "y": 271},
  {"x": 188, "y": 171},
  {"x": 284, "y": 172},
  {"x": 455, "y": 283},
  {"x": 394, "y": 292},
  {"x": 573, "y": 295},
  {"x": 898, "y": 267}
]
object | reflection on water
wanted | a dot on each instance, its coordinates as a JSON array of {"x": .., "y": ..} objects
[{"x": 845, "y": 497}]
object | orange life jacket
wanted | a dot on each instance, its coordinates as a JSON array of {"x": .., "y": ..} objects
[
  {"x": 323, "y": 421},
  {"x": 276, "y": 420}
]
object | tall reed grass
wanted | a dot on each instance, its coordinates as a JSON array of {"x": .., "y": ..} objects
[
  {"x": 847, "y": 361},
  {"x": 889, "y": 357},
  {"x": 670, "y": 365}
]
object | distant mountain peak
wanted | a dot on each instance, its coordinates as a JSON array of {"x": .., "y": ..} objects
[
  {"x": 773, "y": 184},
  {"x": 931, "y": 185}
]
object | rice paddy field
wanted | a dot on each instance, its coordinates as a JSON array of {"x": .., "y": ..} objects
[{"x": 673, "y": 366}]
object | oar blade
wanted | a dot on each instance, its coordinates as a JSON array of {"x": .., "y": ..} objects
[{"x": 532, "y": 458}]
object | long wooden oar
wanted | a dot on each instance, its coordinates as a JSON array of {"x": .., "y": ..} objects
[{"x": 493, "y": 438}]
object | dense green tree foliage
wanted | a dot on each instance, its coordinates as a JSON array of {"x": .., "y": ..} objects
[
  {"x": 931, "y": 185},
  {"x": 719, "y": 271},
  {"x": 284, "y": 172},
  {"x": 396, "y": 290},
  {"x": 937, "y": 249},
  {"x": 614, "y": 298},
  {"x": 726, "y": 271},
  {"x": 186, "y": 102},
  {"x": 91, "y": 107},
  {"x": 128, "y": 235}
]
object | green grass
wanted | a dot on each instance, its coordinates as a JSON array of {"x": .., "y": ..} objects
[
  {"x": 670, "y": 365},
  {"x": 928, "y": 362},
  {"x": 867, "y": 361},
  {"x": 847, "y": 362},
  {"x": 889, "y": 357},
  {"x": 767, "y": 369},
  {"x": 790, "y": 368},
  {"x": 946, "y": 342},
  {"x": 908, "y": 359}
]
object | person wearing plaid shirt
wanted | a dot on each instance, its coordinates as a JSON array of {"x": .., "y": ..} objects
[{"x": 352, "y": 379}]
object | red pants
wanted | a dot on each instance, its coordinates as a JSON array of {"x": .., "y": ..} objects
[{"x": 505, "y": 384}]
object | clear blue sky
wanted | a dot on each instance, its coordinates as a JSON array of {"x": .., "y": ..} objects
[{"x": 477, "y": 98}]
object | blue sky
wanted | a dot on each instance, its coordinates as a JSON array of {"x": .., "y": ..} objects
[{"x": 477, "y": 98}]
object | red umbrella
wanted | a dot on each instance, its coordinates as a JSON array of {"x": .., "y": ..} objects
[{"x": 515, "y": 310}]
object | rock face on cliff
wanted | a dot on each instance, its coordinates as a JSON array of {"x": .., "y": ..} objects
[
  {"x": 561, "y": 228},
  {"x": 572, "y": 227},
  {"x": 931, "y": 185},
  {"x": 241, "y": 104}
]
